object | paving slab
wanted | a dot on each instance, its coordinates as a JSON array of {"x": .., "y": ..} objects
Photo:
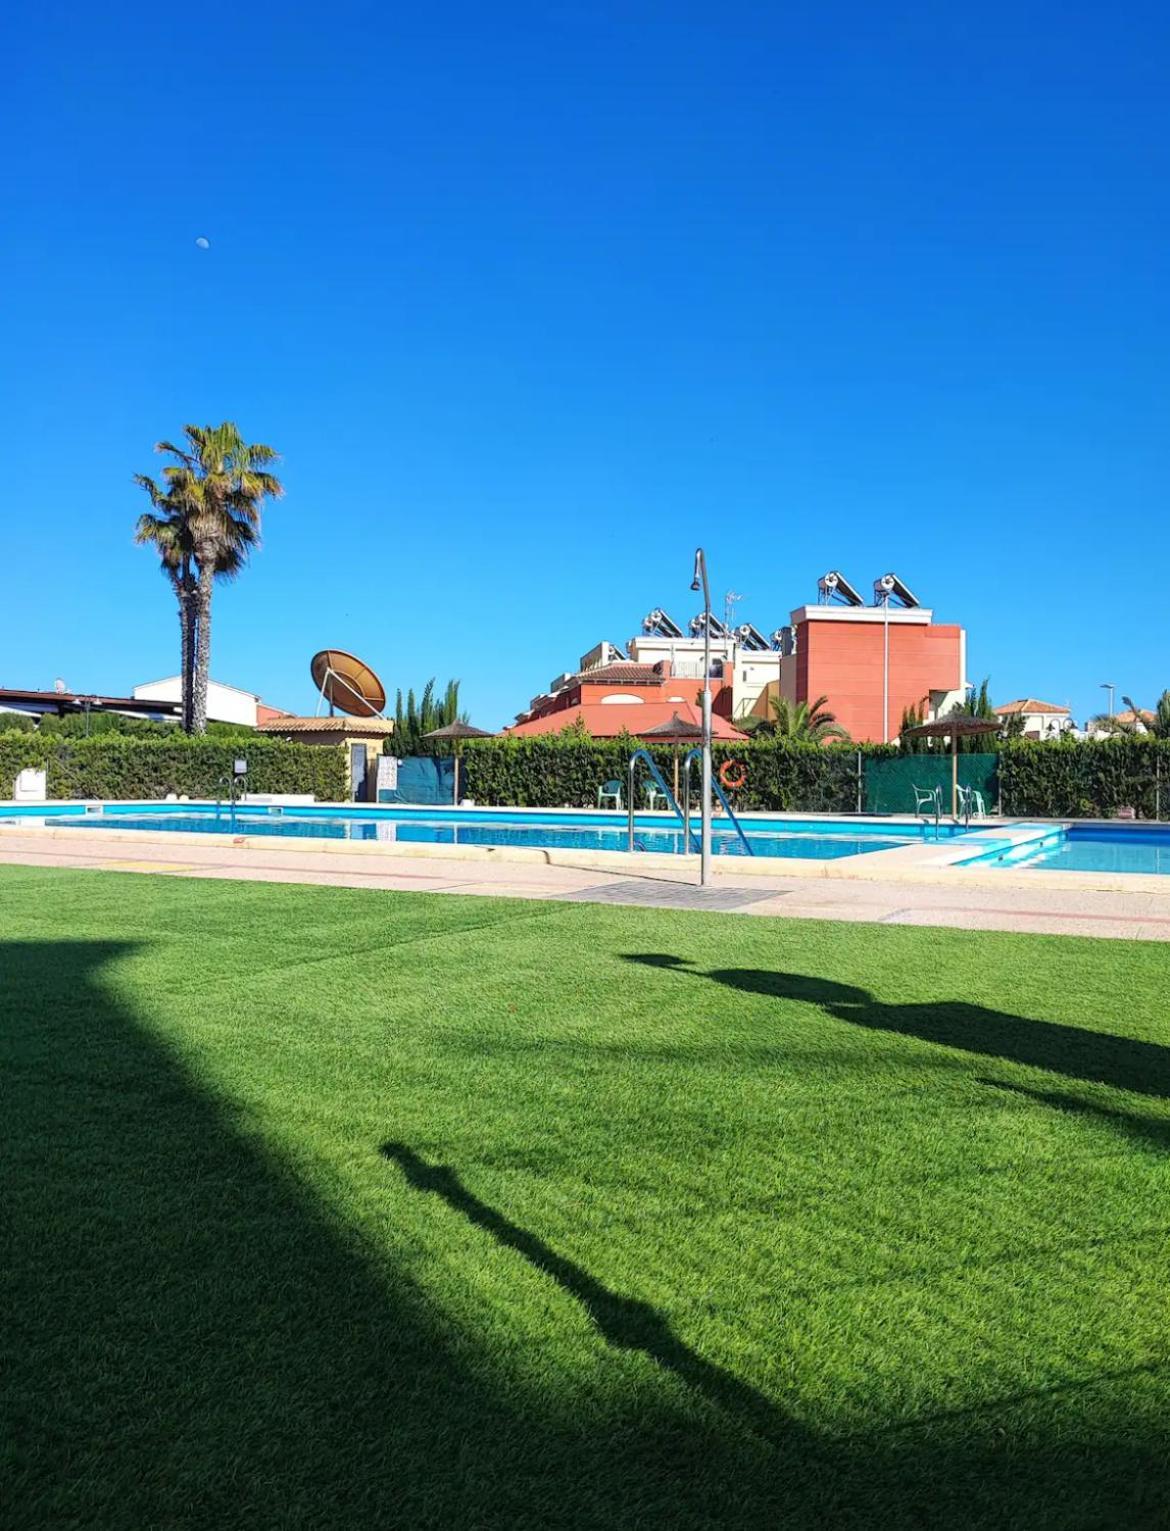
[{"x": 943, "y": 896}]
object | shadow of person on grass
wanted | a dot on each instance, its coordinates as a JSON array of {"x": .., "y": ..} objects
[{"x": 1097, "y": 1057}]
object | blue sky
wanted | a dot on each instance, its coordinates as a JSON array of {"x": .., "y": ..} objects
[{"x": 532, "y": 298}]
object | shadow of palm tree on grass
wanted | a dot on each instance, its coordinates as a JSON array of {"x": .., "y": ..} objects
[
  {"x": 1151, "y": 1130},
  {"x": 1077, "y": 1052}
]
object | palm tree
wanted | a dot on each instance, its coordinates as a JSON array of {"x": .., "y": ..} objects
[
  {"x": 1138, "y": 720},
  {"x": 802, "y": 722},
  {"x": 165, "y": 528},
  {"x": 213, "y": 493}
]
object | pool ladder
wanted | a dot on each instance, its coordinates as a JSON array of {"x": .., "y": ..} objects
[
  {"x": 230, "y": 783},
  {"x": 716, "y": 787},
  {"x": 690, "y": 838},
  {"x": 631, "y": 787},
  {"x": 934, "y": 798}
]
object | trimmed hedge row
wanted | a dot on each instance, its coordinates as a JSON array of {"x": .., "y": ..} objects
[
  {"x": 551, "y": 771},
  {"x": 126, "y": 766},
  {"x": 1066, "y": 778},
  {"x": 1086, "y": 778},
  {"x": 1054, "y": 779}
]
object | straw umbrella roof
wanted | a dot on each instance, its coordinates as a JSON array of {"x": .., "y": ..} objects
[
  {"x": 673, "y": 728},
  {"x": 458, "y": 730},
  {"x": 952, "y": 728}
]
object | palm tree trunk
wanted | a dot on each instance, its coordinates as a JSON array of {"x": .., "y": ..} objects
[
  {"x": 181, "y": 583},
  {"x": 187, "y": 678},
  {"x": 185, "y": 648},
  {"x": 183, "y": 593},
  {"x": 189, "y": 664},
  {"x": 202, "y": 646}
]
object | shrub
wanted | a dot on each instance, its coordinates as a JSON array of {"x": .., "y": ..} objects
[
  {"x": 552, "y": 770},
  {"x": 122, "y": 766},
  {"x": 1086, "y": 778}
]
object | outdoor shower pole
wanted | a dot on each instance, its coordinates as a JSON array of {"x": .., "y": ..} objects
[
  {"x": 700, "y": 583},
  {"x": 886, "y": 670}
]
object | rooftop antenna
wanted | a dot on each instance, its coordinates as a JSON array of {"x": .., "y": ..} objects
[{"x": 730, "y": 600}]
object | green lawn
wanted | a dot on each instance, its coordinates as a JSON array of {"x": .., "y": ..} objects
[{"x": 330, "y": 1208}]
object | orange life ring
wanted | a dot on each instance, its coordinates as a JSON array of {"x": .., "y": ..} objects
[{"x": 732, "y": 774}]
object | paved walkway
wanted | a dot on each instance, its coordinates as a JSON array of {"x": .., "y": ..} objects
[{"x": 948, "y": 902}]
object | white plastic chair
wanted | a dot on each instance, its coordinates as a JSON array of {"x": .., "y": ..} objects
[
  {"x": 611, "y": 792},
  {"x": 971, "y": 804},
  {"x": 929, "y": 798}
]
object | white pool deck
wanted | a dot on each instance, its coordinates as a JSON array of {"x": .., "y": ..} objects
[{"x": 909, "y": 885}]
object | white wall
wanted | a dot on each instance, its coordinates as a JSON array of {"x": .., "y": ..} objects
[
  {"x": 225, "y": 704},
  {"x": 1049, "y": 725},
  {"x": 748, "y": 670}
]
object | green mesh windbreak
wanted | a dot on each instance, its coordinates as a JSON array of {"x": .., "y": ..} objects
[{"x": 889, "y": 784}]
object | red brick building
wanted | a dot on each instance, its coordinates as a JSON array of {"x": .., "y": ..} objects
[
  {"x": 873, "y": 662},
  {"x": 622, "y": 697}
]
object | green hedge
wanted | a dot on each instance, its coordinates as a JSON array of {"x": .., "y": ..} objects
[
  {"x": 1067, "y": 778},
  {"x": 121, "y": 766},
  {"x": 1086, "y": 778},
  {"x": 551, "y": 771}
]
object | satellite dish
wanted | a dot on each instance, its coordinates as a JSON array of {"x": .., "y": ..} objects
[
  {"x": 60, "y": 687},
  {"x": 347, "y": 682}
]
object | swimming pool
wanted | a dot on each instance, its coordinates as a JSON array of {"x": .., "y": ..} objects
[
  {"x": 805, "y": 839},
  {"x": 1088, "y": 848}
]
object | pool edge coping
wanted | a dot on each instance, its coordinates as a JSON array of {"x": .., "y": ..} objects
[{"x": 929, "y": 863}]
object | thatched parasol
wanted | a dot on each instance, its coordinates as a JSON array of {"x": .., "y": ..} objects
[
  {"x": 457, "y": 732},
  {"x": 954, "y": 729},
  {"x": 677, "y": 732}
]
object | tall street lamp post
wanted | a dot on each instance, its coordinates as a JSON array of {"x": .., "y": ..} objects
[
  {"x": 700, "y": 583},
  {"x": 1107, "y": 685}
]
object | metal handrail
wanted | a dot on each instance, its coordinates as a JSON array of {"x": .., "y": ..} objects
[
  {"x": 697, "y": 754},
  {"x": 936, "y": 798},
  {"x": 230, "y": 783},
  {"x": 631, "y": 773}
]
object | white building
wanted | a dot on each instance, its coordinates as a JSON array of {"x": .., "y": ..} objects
[
  {"x": 225, "y": 704},
  {"x": 1127, "y": 722},
  {"x": 1041, "y": 720}
]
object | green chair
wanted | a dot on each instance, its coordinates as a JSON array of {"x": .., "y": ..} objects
[{"x": 611, "y": 792}]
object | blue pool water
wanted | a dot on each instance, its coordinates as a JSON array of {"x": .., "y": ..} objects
[
  {"x": 800, "y": 838},
  {"x": 1091, "y": 848}
]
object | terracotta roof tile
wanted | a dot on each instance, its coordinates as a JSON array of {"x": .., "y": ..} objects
[
  {"x": 1028, "y": 705},
  {"x": 627, "y": 674},
  {"x": 375, "y": 727},
  {"x": 606, "y": 721}
]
